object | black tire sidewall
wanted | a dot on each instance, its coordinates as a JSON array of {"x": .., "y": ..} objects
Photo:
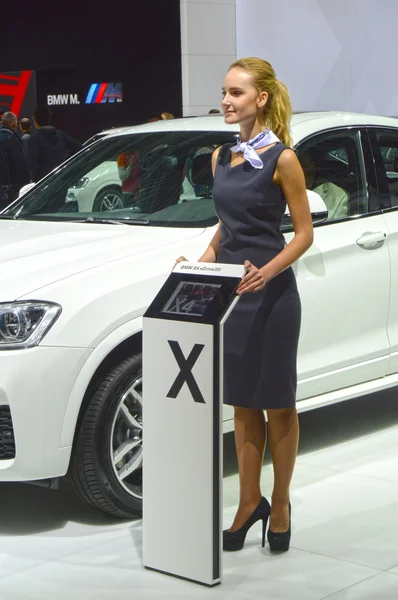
[{"x": 108, "y": 397}]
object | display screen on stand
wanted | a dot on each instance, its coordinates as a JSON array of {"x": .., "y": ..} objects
[
  {"x": 191, "y": 298},
  {"x": 194, "y": 298}
]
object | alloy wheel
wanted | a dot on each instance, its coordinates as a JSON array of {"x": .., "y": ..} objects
[
  {"x": 111, "y": 201},
  {"x": 126, "y": 440}
]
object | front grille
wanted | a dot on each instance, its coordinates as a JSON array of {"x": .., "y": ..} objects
[{"x": 7, "y": 441}]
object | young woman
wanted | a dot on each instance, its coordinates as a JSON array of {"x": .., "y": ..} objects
[{"x": 253, "y": 180}]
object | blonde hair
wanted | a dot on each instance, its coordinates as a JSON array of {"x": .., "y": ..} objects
[
  {"x": 167, "y": 115},
  {"x": 278, "y": 108}
]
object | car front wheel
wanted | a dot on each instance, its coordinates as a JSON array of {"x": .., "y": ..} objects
[{"x": 106, "y": 466}]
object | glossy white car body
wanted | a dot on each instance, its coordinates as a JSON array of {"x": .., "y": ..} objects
[{"x": 105, "y": 276}]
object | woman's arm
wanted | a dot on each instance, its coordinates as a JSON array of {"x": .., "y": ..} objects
[
  {"x": 289, "y": 175},
  {"x": 210, "y": 254}
]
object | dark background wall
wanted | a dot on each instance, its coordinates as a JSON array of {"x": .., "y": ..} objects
[{"x": 71, "y": 45}]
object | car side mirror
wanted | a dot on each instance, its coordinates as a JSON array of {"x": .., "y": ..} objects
[
  {"x": 318, "y": 209},
  {"x": 25, "y": 189}
]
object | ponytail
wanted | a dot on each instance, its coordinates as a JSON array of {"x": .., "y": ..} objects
[
  {"x": 278, "y": 113},
  {"x": 278, "y": 109}
]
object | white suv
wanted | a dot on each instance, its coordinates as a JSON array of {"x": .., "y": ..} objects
[
  {"x": 100, "y": 190},
  {"x": 75, "y": 282}
]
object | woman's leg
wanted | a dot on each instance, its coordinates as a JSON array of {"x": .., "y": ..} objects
[
  {"x": 250, "y": 436},
  {"x": 283, "y": 435}
]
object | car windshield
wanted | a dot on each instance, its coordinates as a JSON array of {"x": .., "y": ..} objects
[{"x": 160, "y": 179}]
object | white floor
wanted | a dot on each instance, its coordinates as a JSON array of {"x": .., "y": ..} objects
[{"x": 344, "y": 542}]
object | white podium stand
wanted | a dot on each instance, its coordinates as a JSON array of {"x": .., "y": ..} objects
[{"x": 182, "y": 420}]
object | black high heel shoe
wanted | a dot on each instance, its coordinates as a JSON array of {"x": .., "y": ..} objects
[
  {"x": 280, "y": 542},
  {"x": 234, "y": 540}
]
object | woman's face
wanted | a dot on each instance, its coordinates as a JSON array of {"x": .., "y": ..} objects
[{"x": 241, "y": 101}]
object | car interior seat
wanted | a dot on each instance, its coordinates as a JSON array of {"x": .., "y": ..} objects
[
  {"x": 332, "y": 170},
  {"x": 339, "y": 172},
  {"x": 161, "y": 184},
  {"x": 202, "y": 174}
]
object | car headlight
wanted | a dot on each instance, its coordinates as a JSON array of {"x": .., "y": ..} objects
[
  {"x": 81, "y": 183},
  {"x": 24, "y": 324}
]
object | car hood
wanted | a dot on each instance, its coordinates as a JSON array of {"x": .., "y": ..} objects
[{"x": 37, "y": 253}]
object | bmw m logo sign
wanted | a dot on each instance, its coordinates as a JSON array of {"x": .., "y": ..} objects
[{"x": 102, "y": 93}]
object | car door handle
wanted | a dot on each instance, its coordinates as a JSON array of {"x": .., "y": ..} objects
[{"x": 372, "y": 239}]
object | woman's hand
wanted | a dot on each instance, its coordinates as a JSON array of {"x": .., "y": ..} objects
[
  {"x": 180, "y": 259},
  {"x": 253, "y": 281}
]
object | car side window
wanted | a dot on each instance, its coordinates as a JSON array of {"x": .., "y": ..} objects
[
  {"x": 334, "y": 169},
  {"x": 385, "y": 150}
]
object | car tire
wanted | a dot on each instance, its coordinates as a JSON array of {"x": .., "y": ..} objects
[
  {"x": 109, "y": 198},
  {"x": 103, "y": 432}
]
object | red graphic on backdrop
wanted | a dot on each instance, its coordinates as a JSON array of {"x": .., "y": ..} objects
[{"x": 12, "y": 90}]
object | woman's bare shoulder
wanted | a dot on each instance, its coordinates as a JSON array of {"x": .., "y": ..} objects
[
  {"x": 214, "y": 158},
  {"x": 287, "y": 165},
  {"x": 287, "y": 158},
  {"x": 216, "y": 152}
]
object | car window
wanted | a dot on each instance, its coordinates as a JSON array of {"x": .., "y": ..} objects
[
  {"x": 333, "y": 167},
  {"x": 385, "y": 150},
  {"x": 340, "y": 153},
  {"x": 158, "y": 178}
]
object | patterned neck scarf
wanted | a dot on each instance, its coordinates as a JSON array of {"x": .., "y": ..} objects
[{"x": 261, "y": 140}]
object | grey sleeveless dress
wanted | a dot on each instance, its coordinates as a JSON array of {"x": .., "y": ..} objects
[{"x": 262, "y": 333}]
